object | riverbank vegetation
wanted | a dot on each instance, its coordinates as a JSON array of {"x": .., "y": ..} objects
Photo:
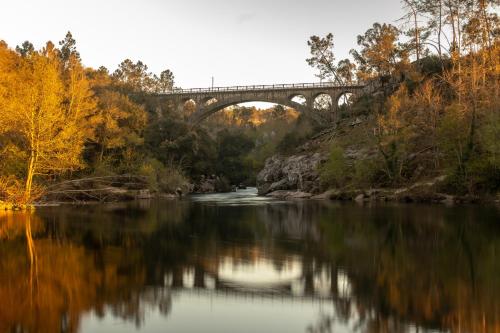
[
  {"x": 437, "y": 108},
  {"x": 60, "y": 120},
  {"x": 433, "y": 111}
]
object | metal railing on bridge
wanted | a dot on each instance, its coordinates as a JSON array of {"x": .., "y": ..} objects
[{"x": 262, "y": 87}]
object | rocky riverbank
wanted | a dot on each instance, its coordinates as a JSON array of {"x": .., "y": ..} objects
[
  {"x": 422, "y": 192},
  {"x": 297, "y": 176},
  {"x": 300, "y": 171},
  {"x": 296, "y": 173},
  {"x": 105, "y": 189},
  {"x": 122, "y": 188}
]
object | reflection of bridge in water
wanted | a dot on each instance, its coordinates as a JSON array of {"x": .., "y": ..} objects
[
  {"x": 300, "y": 283},
  {"x": 266, "y": 270}
]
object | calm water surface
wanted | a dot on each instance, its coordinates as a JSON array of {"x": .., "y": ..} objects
[{"x": 241, "y": 263}]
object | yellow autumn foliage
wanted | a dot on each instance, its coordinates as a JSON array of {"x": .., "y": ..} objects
[{"x": 44, "y": 111}]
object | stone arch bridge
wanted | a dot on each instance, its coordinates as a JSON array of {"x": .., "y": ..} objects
[{"x": 210, "y": 100}]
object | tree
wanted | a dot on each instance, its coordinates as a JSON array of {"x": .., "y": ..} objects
[
  {"x": 68, "y": 49},
  {"x": 379, "y": 54},
  {"x": 172, "y": 141},
  {"x": 434, "y": 10},
  {"x": 38, "y": 120},
  {"x": 134, "y": 76},
  {"x": 427, "y": 110},
  {"x": 12, "y": 158},
  {"x": 118, "y": 123},
  {"x": 26, "y": 49},
  {"x": 165, "y": 82},
  {"x": 393, "y": 133},
  {"x": 278, "y": 112},
  {"x": 417, "y": 34},
  {"x": 232, "y": 149},
  {"x": 345, "y": 70},
  {"x": 322, "y": 57}
]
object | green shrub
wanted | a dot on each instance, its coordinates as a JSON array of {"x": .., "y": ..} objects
[
  {"x": 484, "y": 176},
  {"x": 335, "y": 172},
  {"x": 163, "y": 179},
  {"x": 171, "y": 179},
  {"x": 289, "y": 143},
  {"x": 477, "y": 176},
  {"x": 302, "y": 131},
  {"x": 233, "y": 147},
  {"x": 150, "y": 169},
  {"x": 490, "y": 138},
  {"x": 364, "y": 105},
  {"x": 366, "y": 173},
  {"x": 104, "y": 168}
]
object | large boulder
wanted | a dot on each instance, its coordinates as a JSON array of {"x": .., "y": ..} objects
[{"x": 292, "y": 173}]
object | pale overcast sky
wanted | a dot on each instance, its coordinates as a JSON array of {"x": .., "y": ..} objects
[{"x": 239, "y": 42}]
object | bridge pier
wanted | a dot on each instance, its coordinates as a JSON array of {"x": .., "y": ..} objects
[{"x": 335, "y": 109}]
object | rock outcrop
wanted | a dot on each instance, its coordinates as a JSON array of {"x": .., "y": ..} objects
[{"x": 292, "y": 173}]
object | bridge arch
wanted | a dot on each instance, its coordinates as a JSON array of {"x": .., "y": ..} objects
[
  {"x": 188, "y": 105},
  {"x": 323, "y": 102},
  {"x": 345, "y": 98},
  {"x": 209, "y": 101},
  {"x": 298, "y": 98}
]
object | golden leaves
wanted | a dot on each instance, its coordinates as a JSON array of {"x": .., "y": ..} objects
[{"x": 44, "y": 108}]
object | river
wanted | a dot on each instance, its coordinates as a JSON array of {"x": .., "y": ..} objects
[{"x": 237, "y": 262}]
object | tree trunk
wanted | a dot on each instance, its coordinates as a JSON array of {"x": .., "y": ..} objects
[
  {"x": 417, "y": 34},
  {"x": 440, "y": 30},
  {"x": 453, "y": 30},
  {"x": 101, "y": 154},
  {"x": 29, "y": 176}
]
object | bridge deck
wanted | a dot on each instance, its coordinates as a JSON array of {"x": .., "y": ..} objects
[
  {"x": 273, "y": 87},
  {"x": 238, "y": 294}
]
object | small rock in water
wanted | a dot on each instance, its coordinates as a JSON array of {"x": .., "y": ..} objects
[{"x": 360, "y": 198}]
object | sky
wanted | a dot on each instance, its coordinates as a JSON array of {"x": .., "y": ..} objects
[{"x": 237, "y": 42}]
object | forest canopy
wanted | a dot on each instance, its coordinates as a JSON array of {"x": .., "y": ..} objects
[{"x": 60, "y": 120}]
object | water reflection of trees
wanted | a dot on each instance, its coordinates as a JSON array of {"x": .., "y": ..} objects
[
  {"x": 430, "y": 266},
  {"x": 70, "y": 281},
  {"x": 426, "y": 266}
]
